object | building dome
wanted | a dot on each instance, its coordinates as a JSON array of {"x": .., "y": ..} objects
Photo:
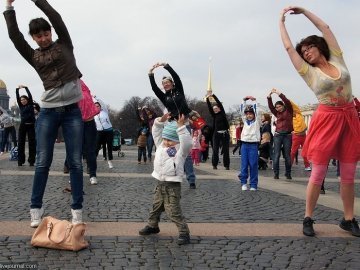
[
  {"x": 2, "y": 84},
  {"x": 4, "y": 97}
]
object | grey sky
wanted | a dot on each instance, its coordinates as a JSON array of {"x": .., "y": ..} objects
[{"x": 116, "y": 42}]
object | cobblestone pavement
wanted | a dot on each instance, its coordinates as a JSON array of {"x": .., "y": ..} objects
[{"x": 124, "y": 194}]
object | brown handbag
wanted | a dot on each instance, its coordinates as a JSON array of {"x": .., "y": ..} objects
[{"x": 59, "y": 234}]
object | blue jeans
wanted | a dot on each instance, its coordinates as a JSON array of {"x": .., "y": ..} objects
[
  {"x": 47, "y": 125},
  {"x": 249, "y": 159},
  {"x": 285, "y": 141},
  {"x": 89, "y": 138},
  {"x": 188, "y": 165},
  {"x": 8, "y": 131},
  {"x": 150, "y": 145}
]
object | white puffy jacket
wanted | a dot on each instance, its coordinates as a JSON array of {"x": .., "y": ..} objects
[{"x": 168, "y": 168}]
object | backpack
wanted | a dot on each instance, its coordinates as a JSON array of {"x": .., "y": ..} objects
[{"x": 14, "y": 154}]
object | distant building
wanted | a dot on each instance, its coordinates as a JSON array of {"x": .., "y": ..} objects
[{"x": 4, "y": 97}]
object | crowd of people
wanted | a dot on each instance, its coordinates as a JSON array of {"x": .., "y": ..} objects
[{"x": 180, "y": 135}]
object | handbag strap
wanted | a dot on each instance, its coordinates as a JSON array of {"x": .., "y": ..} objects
[{"x": 50, "y": 227}]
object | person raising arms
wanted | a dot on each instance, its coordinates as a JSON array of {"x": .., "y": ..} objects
[{"x": 335, "y": 128}]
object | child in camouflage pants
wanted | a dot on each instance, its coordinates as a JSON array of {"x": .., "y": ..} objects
[{"x": 173, "y": 144}]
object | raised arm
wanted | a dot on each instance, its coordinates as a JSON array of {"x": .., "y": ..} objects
[
  {"x": 175, "y": 76},
  {"x": 157, "y": 91},
  {"x": 15, "y": 35},
  {"x": 55, "y": 19},
  {"x": 289, "y": 47},
  {"x": 323, "y": 27},
  {"x": 211, "y": 111},
  {"x": 219, "y": 104},
  {"x": 318, "y": 23}
]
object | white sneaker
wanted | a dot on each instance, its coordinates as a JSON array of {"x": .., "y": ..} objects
[
  {"x": 93, "y": 180},
  {"x": 244, "y": 187},
  {"x": 36, "y": 215},
  {"x": 1, "y": 153},
  {"x": 110, "y": 164},
  {"x": 252, "y": 189},
  {"x": 308, "y": 169},
  {"x": 76, "y": 216}
]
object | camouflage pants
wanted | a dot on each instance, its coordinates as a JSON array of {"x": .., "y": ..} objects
[{"x": 167, "y": 198}]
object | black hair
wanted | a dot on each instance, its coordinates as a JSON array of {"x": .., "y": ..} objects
[
  {"x": 319, "y": 43},
  {"x": 37, "y": 25},
  {"x": 25, "y": 97},
  {"x": 279, "y": 102}
]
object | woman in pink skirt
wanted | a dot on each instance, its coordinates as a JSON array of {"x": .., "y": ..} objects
[{"x": 335, "y": 128}]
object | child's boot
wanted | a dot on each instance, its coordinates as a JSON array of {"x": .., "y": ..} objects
[{"x": 183, "y": 239}]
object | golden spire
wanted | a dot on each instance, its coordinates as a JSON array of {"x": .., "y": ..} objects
[
  {"x": 209, "y": 85},
  {"x": 209, "y": 88}
]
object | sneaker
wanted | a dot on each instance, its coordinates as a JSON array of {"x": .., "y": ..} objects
[
  {"x": 308, "y": 168},
  {"x": 76, "y": 216},
  {"x": 149, "y": 230},
  {"x": 276, "y": 176},
  {"x": 350, "y": 226},
  {"x": 1, "y": 153},
  {"x": 253, "y": 189},
  {"x": 110, "y": 164},
  {"x": 93, "y": 180},
  {"x": 192, "y": 186},
  {"x": 322, "y": 191},
  {"x": 288, "y": 176},
  {"x": 227, "y": 168},
  {"x": 183, "y": 239},
  {"x": 308, "y": 228},
  {"x": 244, "y": 187},
  {"x": 139, "y": 162},
  {"x": 36, "y": 215},
  {"x": 214, "y": 167}
]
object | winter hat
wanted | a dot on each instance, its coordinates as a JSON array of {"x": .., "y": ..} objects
[
  {"x": 169, "y": 131},
  {"x": 249, "y": 109}
]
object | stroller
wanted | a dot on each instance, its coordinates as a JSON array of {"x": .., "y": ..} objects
[{"x": 117, "y": 143}]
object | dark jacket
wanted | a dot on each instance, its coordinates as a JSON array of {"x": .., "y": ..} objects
[
  {"x": 55, "y": 65},
  {"x": 220, "y": 121},
  {"x": 174, "y": 100},
  {"x": 26, "y": 112},
  {"x": 284, "y": 121}
]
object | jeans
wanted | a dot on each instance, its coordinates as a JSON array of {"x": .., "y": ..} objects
[
  {"x": 188, "y": 166},
  {"x": 285, "y": 141},
  {"x": 150, "y": 145},
  {"x": 47, "y": 125},
  {"x": 89, "y": 145},
  {"x": 141, "y": 153},
  {"x": 8, "y": 130},
  {"x": 249, "y": 159}
]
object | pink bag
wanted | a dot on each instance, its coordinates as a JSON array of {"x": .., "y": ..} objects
[
  {"x": 59, "y": 234},
  {"x": 86, "y": 105}
]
